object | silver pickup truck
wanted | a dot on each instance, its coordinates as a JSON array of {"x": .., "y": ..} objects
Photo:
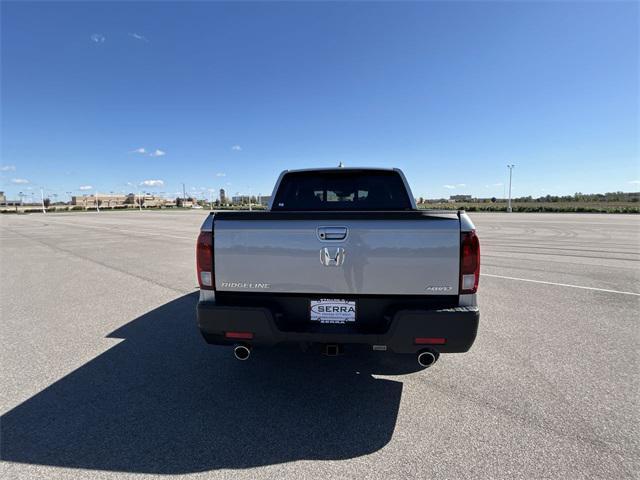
[{"x": 340, "y": 257}]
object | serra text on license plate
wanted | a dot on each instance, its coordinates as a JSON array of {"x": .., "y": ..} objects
[{"x": 333, "y": 310}]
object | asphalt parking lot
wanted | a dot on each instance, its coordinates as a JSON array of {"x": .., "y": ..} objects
[{"x": 104, "y": 373}]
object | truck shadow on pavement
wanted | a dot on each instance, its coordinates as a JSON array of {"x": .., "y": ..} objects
[{"x": 162, "y": 401}]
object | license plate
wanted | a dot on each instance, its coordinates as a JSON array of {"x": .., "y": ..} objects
[{"x": 333, "y": 310}]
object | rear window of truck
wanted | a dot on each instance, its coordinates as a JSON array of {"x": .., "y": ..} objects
[{"x": 345, "y": 190}]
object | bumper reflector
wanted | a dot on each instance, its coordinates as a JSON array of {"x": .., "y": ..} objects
[
  {"x": 239, "y": 335},
  {"x": 430, "y": 341}
]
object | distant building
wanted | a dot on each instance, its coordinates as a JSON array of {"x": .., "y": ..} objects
[
  {"x": 118, "y": 200},
  {"x": 4, "y": 202},
  {"x": 246, "y": 199},
  {"x": 240, "y": 199},
  {"x": 264, "y": 200},
  {"x": 185, "y": 202},
  {"x": 104, "y": 200},
  {"x": 148, "y": 200},
  {"x": 461, "y": 198},
  {"x": 223, "y": 196}
]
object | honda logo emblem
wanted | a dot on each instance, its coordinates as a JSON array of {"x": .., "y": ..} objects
[{"x": 332, "y": 257}]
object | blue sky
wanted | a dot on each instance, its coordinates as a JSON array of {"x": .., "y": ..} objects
[{"x": 113, "y": 95}]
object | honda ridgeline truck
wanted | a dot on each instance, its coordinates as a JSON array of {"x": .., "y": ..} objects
[{"x": 341, "y": 256}]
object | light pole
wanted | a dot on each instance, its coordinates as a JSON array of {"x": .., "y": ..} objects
[
  {"x": 510, "y": 167},
  {"x": 97, "y": 203},
  {"x": 44, "y": 210}
]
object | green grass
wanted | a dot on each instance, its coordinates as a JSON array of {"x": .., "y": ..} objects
[{"x": 560, "y": 207}]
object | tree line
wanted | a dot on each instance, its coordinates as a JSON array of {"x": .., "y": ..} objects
[{"x": 577, "y": 197}]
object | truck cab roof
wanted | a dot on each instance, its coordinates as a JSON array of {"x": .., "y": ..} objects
[{"x": 321, "y": 170}]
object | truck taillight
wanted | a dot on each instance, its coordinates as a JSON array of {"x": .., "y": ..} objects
[
  {"x": 204, "y": 260},
  {"x": 469, "y": 262}
]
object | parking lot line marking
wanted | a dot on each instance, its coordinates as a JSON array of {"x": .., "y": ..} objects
[
  {"x": 560, "y": 284},
  {"x": 117, "y": 230}
]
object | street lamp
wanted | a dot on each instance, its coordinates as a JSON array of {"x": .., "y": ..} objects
[
  {"x": 510, "y": 167},
  {"x": 44, "y": 210},
  {"x": 211, "y": 190}
]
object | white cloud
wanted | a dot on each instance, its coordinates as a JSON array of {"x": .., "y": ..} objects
[
  {"x": 499, "y": 184},
  {"x": 236, "y": 148},
  {"x": 98, "y": 38},
  {"x": 8, "y": 168},
  {"x": 158, "y": 153},
  {"x": 137, "y": 36},
  {"x": 450, "y": 187},
  {"x": 19, "y": 181},
  {"x": 152, "y": 183},
  {"x": 139, "y": 150},
  {"x": 635, "y": 182},
  {"x": 461, "y": 185},
  {"x": 221, "y": 174},
  {"x": 85, "y": 187},
  {"x": 457, "y": 185}
]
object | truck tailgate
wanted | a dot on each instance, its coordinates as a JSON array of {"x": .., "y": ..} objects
[{"x": 392, "y": 253}]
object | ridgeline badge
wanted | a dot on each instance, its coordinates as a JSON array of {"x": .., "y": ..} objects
[
  {"x": 438, "y": 288},
  {"x": 246, "y": 285}
]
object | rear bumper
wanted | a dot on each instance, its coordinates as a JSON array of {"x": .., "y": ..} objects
[{"x": 457, "y": 325}]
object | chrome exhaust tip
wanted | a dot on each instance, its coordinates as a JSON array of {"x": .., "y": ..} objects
[
  {"x": 427, "y": 358},
  {"x": 242, "y": 352}
]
